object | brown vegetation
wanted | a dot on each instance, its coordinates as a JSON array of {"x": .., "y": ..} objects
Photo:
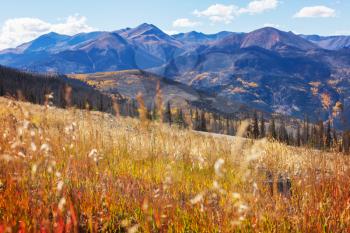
[{"x": 73, "y": 170}]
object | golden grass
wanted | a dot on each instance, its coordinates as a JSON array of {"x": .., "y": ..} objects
[{"x": 72, "y": 170}]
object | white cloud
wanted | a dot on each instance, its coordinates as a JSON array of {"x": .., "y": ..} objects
[
  {"x": 227, "y": 13},
  {"x": 315, "y": 11},
  {"x": 219, "y": 13},
  {"x": 184, "y": 22},
  {"x": 20, "y": 30},
  {"x": 259, "y": 6}
]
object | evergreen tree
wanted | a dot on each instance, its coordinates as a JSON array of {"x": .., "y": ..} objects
[
  {"x": 272, "y": 129},
  {"x": 298, "y": 140},
  {"x": 227, "y": 130},
  {"x": 179, "y": 118},
  {"x": 256, "y": 132},
  {"x": 346, "y": 142},
  {"x": 149, "y": 114},
  {"x": 203, "y": 122},
  {"x": 335, "y": 138},
  {"x": 262, "y": 126},
  {"x": 167, "y": 118},
  {"x": 306, "y": 133},
  {"x": 196, "y": 120},
  {"x": 2, "y": 91},
  {"x": 213, "y": 125},
  {"x": 314, "y": 136},
  {"x": 154, "y": 113},
  {"x": 249, "y": 133},
  {"x": 321, "y": 135},
  {"x": 307, "y": 130},
  {"x": 329, "y": 135},
  {"x": 221, "y": 125},
  {"x": 282, "y": 133}
]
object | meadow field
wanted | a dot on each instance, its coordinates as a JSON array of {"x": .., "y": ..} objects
[{"x": 77, "y": 171}]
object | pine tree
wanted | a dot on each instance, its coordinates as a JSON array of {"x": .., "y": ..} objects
[
  {"x": 2, "y": 92},
  {"x": 282, "y": 133},
  {"x": 346, "y": 142},
  {"x": 314, "y": 136},
  {"x": 335, "y": 138},
  {"x": 149, "y": 114},
  {"x": 307, "y": 130},
  {"x": 196, "y": 120},
  {"x": 272, "y": 129},
  {"x": 306, "y": 134},
  {"x": 329, "y": 135},
  {"x": 256, "y": 132},
  {"x": 321, "y": 135},
  {"x": 179, "y": 118},
  {"x": 221, "y": 125},
  {"x": 262, "y": 126},
  {"x": 227, "y": 130},
  {"x": 167, "y": 118},
  {"x": 248, "y": 133},
  {"x": 154, "y": 113},
  {"x": 203, "y": 122},
  {"x": 213, "y": 127},
  {"x": 298, "y": 140}
]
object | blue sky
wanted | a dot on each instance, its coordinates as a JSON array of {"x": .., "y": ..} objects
[{"x": 35, "y": 17}]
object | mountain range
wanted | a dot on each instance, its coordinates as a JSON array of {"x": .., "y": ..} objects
[{"x": 268, "y": 69}]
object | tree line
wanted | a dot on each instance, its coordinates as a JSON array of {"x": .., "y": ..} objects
[
  {"x": 60, "y": 91},
  {"x": 64, "y": 92},
  {"x": 320, "y": 135}
]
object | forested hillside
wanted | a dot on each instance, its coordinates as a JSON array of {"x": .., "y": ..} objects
[{"x": 56, "y": 90}]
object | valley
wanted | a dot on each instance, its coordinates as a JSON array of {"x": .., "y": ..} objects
[
  {"x": 217, "y": 117},
  {"x": 267, "y": 69}
]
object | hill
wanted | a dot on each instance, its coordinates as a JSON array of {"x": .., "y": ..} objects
[
  {"x": 154, "y": 177},
  {"x": 54, "y": 90},
  {"x": 267, "y": 69},
  {"x": 132, "y": 82}
]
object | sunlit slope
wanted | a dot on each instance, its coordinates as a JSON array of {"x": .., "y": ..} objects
[
  {"x": 80, "y": 170},
  {"x": 130, "y": 83}
]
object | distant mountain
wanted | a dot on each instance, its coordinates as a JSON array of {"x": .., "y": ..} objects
[
  {"x": 140, "y": 48},
  {"x": 53, "y": 43},
  {"x": 271, "y": 38},
  {"x": 148, "y": 38},
  {"x": 269, "y": 69},
  {"x": 329, "y": 42},
  {"x": 198, "y": 37},
  {"x": 62, "y": 54}
]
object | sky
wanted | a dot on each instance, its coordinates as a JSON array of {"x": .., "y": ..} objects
[{"x": 24, "y": 20}]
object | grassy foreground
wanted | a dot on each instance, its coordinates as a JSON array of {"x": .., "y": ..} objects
[{"x": 75, "y": 171}]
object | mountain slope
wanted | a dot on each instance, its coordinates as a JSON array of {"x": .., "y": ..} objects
[
  {"x": 130, "y": 83},
  {"x": 91, "y": 52},
  {"x": 198, "y": 37},
  {"x": 329, "y": 42},
  {"x": 270, "y": 71},
  {"x": 271, "y": 38},
  {"x": 152, "y": 40},
  {"x": 267, "y": 68},
  {"x": 63, "y": 91}
]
